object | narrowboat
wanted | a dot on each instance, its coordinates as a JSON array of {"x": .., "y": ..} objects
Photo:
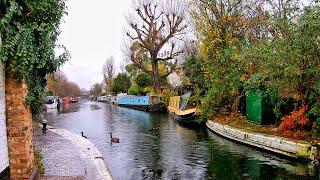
[
  {"x": 179, "y": 110},
  {"x": 73, "y": 100},
  {"x": 144, "y": 103},
  {"x": 51, "y": 102},
  {"x": 109, "y": 99}
]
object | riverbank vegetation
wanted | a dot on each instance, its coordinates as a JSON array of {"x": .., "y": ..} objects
[{"x": 271, "y": 47}]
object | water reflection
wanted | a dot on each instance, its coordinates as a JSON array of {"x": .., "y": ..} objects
[{"x": 153, "y": 146}]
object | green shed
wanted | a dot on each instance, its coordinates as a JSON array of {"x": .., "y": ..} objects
[{"x": 258, "y": 110}]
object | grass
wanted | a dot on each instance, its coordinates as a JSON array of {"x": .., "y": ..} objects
[
  {"x": 241, "y": 122},
  {"x": 38, "y": 160}
]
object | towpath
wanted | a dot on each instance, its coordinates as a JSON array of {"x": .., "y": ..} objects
[{"x": 68, "y": 156}]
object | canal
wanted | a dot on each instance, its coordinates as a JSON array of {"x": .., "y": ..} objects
[{"x": 153, "y": 146}]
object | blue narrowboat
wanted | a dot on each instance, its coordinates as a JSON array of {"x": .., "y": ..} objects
[{"x": 145, "y": 103}]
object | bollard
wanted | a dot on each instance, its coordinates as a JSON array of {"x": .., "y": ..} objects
[{"x": 44, "y": 125}]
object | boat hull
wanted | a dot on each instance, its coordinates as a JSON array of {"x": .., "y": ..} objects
[
  {"x": 144, "y": 103},
  {"x": 149, "y": 108},
  {"x": 51, "y": 106},
  {"x": 184, "y": 118}
]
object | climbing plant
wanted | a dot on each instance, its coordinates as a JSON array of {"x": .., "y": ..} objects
[{"x": 29, "y": 31}]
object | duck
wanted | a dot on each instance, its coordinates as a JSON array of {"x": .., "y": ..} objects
[
  {"x": 83, "y": 135},
  {"x": 114, "y": 139}
]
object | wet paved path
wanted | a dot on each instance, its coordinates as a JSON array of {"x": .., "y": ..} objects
[
  {"x": 59, "y": 156},
  {"x": 69, "y": 156}
]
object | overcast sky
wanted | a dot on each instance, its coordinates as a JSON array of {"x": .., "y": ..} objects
[{"x": 92, "y": 31}]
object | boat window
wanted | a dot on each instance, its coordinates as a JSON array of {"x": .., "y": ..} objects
[{"x": 49, "y": 101}]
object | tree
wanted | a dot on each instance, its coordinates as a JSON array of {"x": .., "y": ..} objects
[
  {"x": 151, "y": 28},
  {"x": 134, "y": 89},
  {"x": 108, "y": 72},
  {"x": 132, "y": 70},
  {"x": 225, "y": 28},
  {"x": 59, "y": 85},
  {"x": 121, "y": 83},
  {"x": 96, "y": 89},
  {"x": 193, "y": 68},
  {"x": 144, "y": 79}
]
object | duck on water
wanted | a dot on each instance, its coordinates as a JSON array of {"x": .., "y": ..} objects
[{"x": 114, "y": 139}]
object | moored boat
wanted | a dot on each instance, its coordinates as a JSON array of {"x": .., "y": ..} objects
[
  {"x": 73, "y": 99},
  {"x": 51, "y": 102},
  {"x": 144, "y": 103},
  {"x": 180, "y": 111}
]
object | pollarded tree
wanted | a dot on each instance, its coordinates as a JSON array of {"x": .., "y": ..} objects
[{"x": 152, "y": 28}]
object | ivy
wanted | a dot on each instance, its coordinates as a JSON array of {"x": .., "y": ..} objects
[{"x": 29, "y": 30}]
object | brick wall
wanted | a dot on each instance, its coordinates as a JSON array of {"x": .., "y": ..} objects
[
  {"x": 4, "y": 160},
  {"x": 19, "y": 128}
]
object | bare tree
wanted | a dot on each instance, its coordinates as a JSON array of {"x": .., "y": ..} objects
[
  {"x": 96, "y": 89},
  {"x": 108, "y": 72},
  {"x": 59, "y": 85},
  {"x": 153, "y": 27}
]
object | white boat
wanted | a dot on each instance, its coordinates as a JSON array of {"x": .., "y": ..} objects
[{"x": 51, "y": 102}]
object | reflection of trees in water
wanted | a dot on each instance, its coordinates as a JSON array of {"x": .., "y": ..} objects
[
  {"x": 69, "y": 108},
  {"x": 147, "y": 148},
  {"x": 234, "y": 161},
  {"x": 184, "y": 150}
]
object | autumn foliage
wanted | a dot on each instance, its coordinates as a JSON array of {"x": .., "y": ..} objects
[{"x": 295, "y": 124}]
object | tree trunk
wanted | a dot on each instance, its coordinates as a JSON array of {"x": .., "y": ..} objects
[{"x": 155, "y": 75}]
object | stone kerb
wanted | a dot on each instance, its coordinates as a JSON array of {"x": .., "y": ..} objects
[
  {"x": 90, "y": 154},
  {"x": 280, "y": 145}
]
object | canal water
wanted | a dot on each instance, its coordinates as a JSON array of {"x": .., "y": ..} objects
[{"x": 153, "y": 146}]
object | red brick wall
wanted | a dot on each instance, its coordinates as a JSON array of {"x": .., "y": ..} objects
[{"x": 19, "y": 127}]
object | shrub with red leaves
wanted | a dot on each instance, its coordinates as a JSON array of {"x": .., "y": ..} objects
[{"x": 295, "y": 124}]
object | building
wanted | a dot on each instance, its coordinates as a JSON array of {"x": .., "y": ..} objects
[{"x": 4, "y": 157}]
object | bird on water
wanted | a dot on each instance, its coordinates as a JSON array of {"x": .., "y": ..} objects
[{"x": 114, "y": 139}]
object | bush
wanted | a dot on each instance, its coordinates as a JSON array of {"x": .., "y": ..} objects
[
  {"x": 134, "y": 89},
  {"x": 314, "y": 112},
  {"x": 166, "y": 96},
  {"x": 147, "y": 90},
  {"x": 121, "y": 83},
  {"x": 295, "y": 124}
]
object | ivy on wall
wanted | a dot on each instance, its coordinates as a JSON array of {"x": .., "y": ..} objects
[{"x": 29, "y": 30}]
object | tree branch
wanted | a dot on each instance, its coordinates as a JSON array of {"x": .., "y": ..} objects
[{"x": 172, "y": 68}]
